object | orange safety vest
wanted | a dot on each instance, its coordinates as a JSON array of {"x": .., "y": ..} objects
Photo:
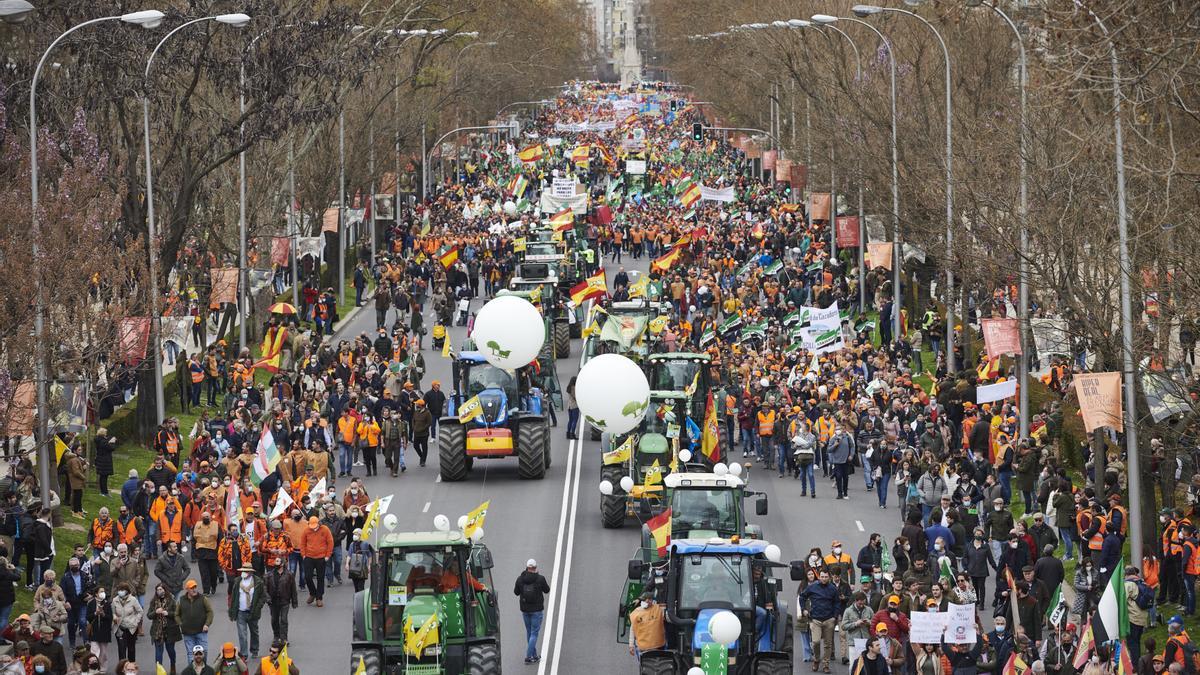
[
  {"x": 766, "y": 423},
  {"x": 197, "y": 373},
  {"x": 1097, "y": 541},
  {"x": 128, "y": 532},
  {"x": 268, "y": 668},
  {"x": 1168, "y": 535},
  {"x": 824, "y": 429},
  {"x": 1193, "y": 564},
  {"x": 1124, "y": 519},
  {"x": 103, "y": 533},
  {"x": 1179, "y": 640},
  {"x": 170, "y": 530}
]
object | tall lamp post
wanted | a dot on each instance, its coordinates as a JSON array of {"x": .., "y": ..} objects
[
  {"x": 236, "y": 20},
  {"x": 1023, "y": 218},
  {"x": 870, "y": 10},
  {"x": 15, "y": 12}
]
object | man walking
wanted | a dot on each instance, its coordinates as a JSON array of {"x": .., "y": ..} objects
[
  {"x": 245, "y": 609},
  {"x": 841, "y": 449},
  {"x": 819, "y": 601},
  {"x": 316, "y": 546},
  {"x": 532, "y": 588},
  {"x": 195, "y": 614},
  {"x": 281, "y": 597}
]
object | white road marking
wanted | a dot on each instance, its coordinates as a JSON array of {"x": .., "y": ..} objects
[
  {"x": 860, "y": 527},
  {"x": 562, "y": 525},
  {"x": 426, "y": 509},
  {"x": 570, "y": 552},
  {"x": 438, "y": 479}
]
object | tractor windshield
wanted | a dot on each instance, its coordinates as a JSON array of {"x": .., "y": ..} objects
[
  {"x": 663, "y": 413},
  {"x": 673, "y": 375},
  {"x": 548, "y": 249},
  {"x": 714, "y": 578},
  {"x": 416, "y": 573},
  {"x": 700, "y": 509},
  {"x": 486, "y": 376}
]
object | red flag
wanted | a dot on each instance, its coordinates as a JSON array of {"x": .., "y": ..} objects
[
  {"x": 1087, "y": 642},
  {"x": 280, "y": 246},
  {"x": 134, "y": 336},
  {"x": 660, "y": 530}
]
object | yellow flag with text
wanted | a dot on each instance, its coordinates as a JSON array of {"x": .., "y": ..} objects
[{"x": 475, "y": 519}]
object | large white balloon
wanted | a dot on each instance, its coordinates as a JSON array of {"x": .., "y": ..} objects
[
  {"x": 510, "y": 208},
  {"x": 735, "y": 469},
  {"x": 390, "y": 521},
  {"x": 509, "y": 332},
  {"x": 685, "y": 455},
  {"x": 462, "y": 522},
  {"x": 612, "y": 393},
  {"x": 695, "y": 670},
  {"x": 773, "y": 553},
  {"x": 441, "y": 523},
  {"x": 724, "y": 627}
]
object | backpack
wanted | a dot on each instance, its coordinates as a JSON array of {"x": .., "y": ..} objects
[
  {"x": 1145, "y": 595},
  {"x": 531, "y": 595},
  {"x": 1191, "y": 655}
]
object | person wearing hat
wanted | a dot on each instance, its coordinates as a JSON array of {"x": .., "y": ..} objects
[
  {"x": 245, "y": 609},
  {"x": 230, "y": 663},
  {"x": 394, "y": 433},
  {"x": 531, "y": 587},
  {"x": 197, "y": 666},
  {"x": 232, "y": 553},
  {"x": 316, "y": 547},
  {"x": 422, "y": 423},
  {"x": 195, "y": 614},
  {"x": 49, "y": 648},
  {"x": 647, "y": 624}
]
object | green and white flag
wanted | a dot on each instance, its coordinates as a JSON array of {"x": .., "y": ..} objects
[
  {"x": 1111, "y": 621},
  {"x": 730, "y": 324},
  {"x": 707, "y": 337},
  {"x": 792, "y": 317},
  {"x": 773, "y": 268},
  {"x": 758, "y": 330}
]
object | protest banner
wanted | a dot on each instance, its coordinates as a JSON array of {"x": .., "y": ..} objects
[
  {"x": 1001, "y": 336},
  {"x": 926, "y": 627},
  {"x": 818, "y": 208},
  {"x": 1050, "y": 337},
  {"x": 879, "y": 254},
  {"x": 848, "y": 232},
  {"x": 960, "y": 625},
  {"x": 133, "y": 335},
  {"x": 1100, "y": 400},
  {"x": 224, "y": 285},
  {"x": 995, "y": 392}
]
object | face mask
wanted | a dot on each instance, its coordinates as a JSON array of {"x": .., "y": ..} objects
[
  {"x": 108, "y": 550},
  {"x": 813, "y": 560},
  {"x": 207, "y": 520},
  {"x": 39, "y": 669},
  {"x": 837, "y": 550},
  {"x": 102, "y": 595},
  {"x": 122, "y": 593},
  {"x": 907, "y": 547},
  {"x": 877, "y": 576},
  {"x": 1000, "y": 628},
  {"x": 353, "y": 491},
  {"x": 226, "y": 482},
  {"x": 999, "y": 508},
  {"x": 1162, "y": 519},
  {"x": 645, "y": 604},
  {"x": 937, "y": 547},
  {"x": 1013, "y": 545},
  {"x": 247, "y": 575},
  {"x": 978, "y": 538}
]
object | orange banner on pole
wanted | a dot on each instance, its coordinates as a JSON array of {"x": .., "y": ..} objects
[
  {"x": 133, "y": 334},
  {"x": 847, "y": 232},
  {"x": 879, "y": 254},
  {"x": 1100, "y": 400},
  {"x": 224, "y": 285},
  {"x": 280, "y": 247},
  {"x": 819, "y": 206},
  {"x": 329, "y": 220},
  {"x": 21, "y": 409},
  {"x": 1002, "y": 336}
]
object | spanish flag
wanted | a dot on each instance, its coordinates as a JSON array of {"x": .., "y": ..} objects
[
  {"x": 591, "y": 287},
  {"x": 272, "y": 349},
  {"x": 666, "y": 261},
  {"x": 660, "y": 529},
  {"x": 632, "y": 119},
  {"x": 789, "y": 208},
  {"x": 563, "y": 220},
  {"x": 581, "y": 154},
  {"x": 518, "y": 184},
  {"x": 638, "y": 288},
  {"x": 690, "y": 196},
  {"x": 531, "y": 154},
  {"x": 448, "y": 257},
  {"x": 989, "y": 369},
  {"x": 709, "y": 442}
]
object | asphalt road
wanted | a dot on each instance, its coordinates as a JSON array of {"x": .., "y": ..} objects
[{"x": 555, "y": 521}]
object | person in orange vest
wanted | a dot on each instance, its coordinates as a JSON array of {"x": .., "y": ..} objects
[
  {"x": 316, "y": 547},
  {"x": 103, "y": 531},
  {"x": 196, "y": 370},
  {"x": 766, "y": 430},
  {"x": 128, "y": 527},
  {"x": 1117, "y": 515},
  {"x": 1190, "y": 561},
  {"x": 1171, "y": 572},
  {"x": 347, "y": 437},
  {"x": 368, "y": 432},
  {"x": 170, "y": 525},
  {"x": 1177, "y": 638},
  {"x": 274, "y": 662}
]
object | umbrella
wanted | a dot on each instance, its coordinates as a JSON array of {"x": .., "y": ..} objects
[{"x": 282, "y": 308}]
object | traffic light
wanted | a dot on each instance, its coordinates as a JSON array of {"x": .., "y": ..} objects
[
  {"x": 674, "y": 105},
  {"x": 697, "y": 132}
]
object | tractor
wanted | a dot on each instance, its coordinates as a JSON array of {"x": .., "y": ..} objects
[
  {"x": 510, "y": 420},
  {"x": 700, "y": 578},
  {"x": 657, "y": 440},
  {"x": 429, "y": 608},
  {"x": 537, "y": 279},
  {"x": 695, "y": 374},
  {"x": 625, "y": 328},
  {"x": 705, "y": 505}
]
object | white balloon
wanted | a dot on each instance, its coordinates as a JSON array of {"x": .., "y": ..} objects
[
  {"x": 724, "y": 627},
  {"x": 462, "y": 522},
  {"x": 477, "y": 534},
  {"x": 390, "y": 521},
  {"x": 773, "y": 553},
  {"x": 685, "y": 455},
  {"x": 695, "y": 670},
  {"x": 612, "y": 392},
  {"x": 509, "y": 332},
  {"x": 765, "y": 382},
  {"x": 606, "y": 487},
  {"x": 720, "y": 468},
  {"x": 510, "y": 208},
  {"x": 735, "y": 469},
  {"x": 441, "y": 523},
  {"x": 626, "y": 483}
]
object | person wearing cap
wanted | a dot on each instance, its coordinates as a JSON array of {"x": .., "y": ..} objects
[
  {"x": 997, "y": 525},
  {"x": 647, "y": 625},
  {"x": 891, "y": 616},
  {"x": 276, "y": 662},
  {"x": 197, "y": 666},
  {"x": 394, "y": 433},
  {"x": 531, "y": 587},
  {"x": 245, "y": 609},
  {"x": 195, "y": 614},
  {"x": 420, "y": 426},
  {"x": 856, "y": 623},
  {"x": 316, "y": 547},
  {"x": 229, "y": 663}
]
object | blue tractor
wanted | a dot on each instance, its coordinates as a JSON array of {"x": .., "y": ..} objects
[{"x": 509, "y": 421}]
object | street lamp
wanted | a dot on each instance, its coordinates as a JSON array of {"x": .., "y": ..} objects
[
  {"x": 1023, "y": 217},
  {"x": 147, "y": 19},
  {"x": 236, "y": 20},
  {"x": 863, "y": 11},
  {"x": 14, "y": 11}
]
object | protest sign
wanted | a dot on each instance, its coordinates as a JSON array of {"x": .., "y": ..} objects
[
  {"x": 960, "y": 625},
  {"x": 1100, "y": 400},
  {"x": 926, "y": 627},
  {"x": 1001, "y": 336}
]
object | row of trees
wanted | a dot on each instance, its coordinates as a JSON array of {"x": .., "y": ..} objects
[
  {"x": 1074, "y": 268},
  {"x": 309, "y": 61}
]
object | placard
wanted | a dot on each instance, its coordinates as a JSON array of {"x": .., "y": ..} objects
[
  {"x": 1001, "y": 336},
  {"x": 926, "y": 627},
  {"x": 563, "y": 188},
  {"x": 635, "y": 166},
  {"x": 1100, "y": 400},
  {"x": 847, "y": 232},
  {"x": 960, "y": 625}
]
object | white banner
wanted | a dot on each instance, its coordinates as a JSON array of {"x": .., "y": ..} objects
[
  {"x": 581, "y": 127},
  {"x": 314, "y": 246},
  {"x": 724, "y": 194},
  {"x": 551, "y": 204},
  {"x": 926, "y": 627},
  {"x": 822, "y": 340},
  {"x": 876, "y": 228},
  {"x": 1050, "y": 338},
  {"x": 1166, "y": 392},
  {"x": 996, "y": 392},
  {"x": 635, "y": 166},
  {"x": 960, "y": 625},
  {"x": 563, "y": 188},
  {"x": 175, "y": 329},
  {"x": 553, "y": 142}
]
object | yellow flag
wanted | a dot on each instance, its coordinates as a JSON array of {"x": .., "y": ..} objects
[
  {"x": 362, "y": 667},
  {"x": 657, "y": 324},
  {"x": 536, "y": 294},
  {"x": 284, "y": 662},
  {"x": 653, "y": 475},
  {"x": 518, "y": 244},
  {"x": 374, "y": 512},
  {"x": 475, "y": 519},
  {"x": 691, "y": 388},
  {"x": 59, "y": 449},
  {"x": 470, "y": 410},
  {"x": 446, "y": 346},
  {"x": 160, "y": 670},
  {"x": 415, "y": 641},
  {"x": 621, "y": 454}
]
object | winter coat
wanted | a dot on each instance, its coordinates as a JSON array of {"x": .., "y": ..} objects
[
  {"x": 172, "y": 574},
  {"x": 163, "y": 627},
  {"x": 258, "y": 598},
  {"x": 127, "y": 612},
  {"x": 281, "y": 588},
  {"x": 100, "y": 620},
  {"x": 539, "y": 583},
  {"x": 104, "y": 455},
  {"x": 193, "y": 614}
]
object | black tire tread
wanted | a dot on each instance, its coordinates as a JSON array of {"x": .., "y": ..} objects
[
  {"x": 657, "y": 666},
  {"x": 372, "y": 659},
  {"x": 531, "y": 449},
  {"x": 612, "y": 507},
  {"x": 452, "y": 452},
  {"x": 562, "y": 340},
  {"x": 773, "y": 667},
  {"x": 483, "y": 659}
]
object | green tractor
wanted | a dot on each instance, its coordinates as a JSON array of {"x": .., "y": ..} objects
[
  {"x": 656, "y": 441},
  {"x": 429, "y": 608},
  {"x": 626, "y": 328},
  {"x": 705, "y": 505},
  {"x": 538, "y": 281},
  {"x": 699, "y": 579},
  {"x": 695, "y": 374}
]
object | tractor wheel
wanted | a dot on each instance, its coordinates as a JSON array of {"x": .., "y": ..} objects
[
  {"x": 370, "y": 658},
  {"x": 657, "y": 665},
  {"x": 593, "y": 433},
  {"x": 483, "y": 659},
  {"x": 531, "y": 449},
  {"x": 452, "y": 451},
  {"x": 562, "y": 340},
  {"x": 577, "y": 329},
  {"x": 789, "y": 639},
  {"x": 612, "y": 507},
  {"x": 773, "y": 667},
  {"x": 546, "y": 434}
]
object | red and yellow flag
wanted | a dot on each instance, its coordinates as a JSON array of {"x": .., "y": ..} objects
[
  {"x": 590, "y": 287},
  {"x": 710, "y": 445},
  {"x": 660, "y": 529},
  {"x": 666, "y": 261},
  {"x": 581, "y": 154},
  {"x": 531, "y": 154},
  {"x": 563, "y": 220},
  {"x": 448, "y": 257},
  {"x": 272, "y": 348},
  {"x": 690, "y": 196},
  {"x": 1087, "y": 642}
]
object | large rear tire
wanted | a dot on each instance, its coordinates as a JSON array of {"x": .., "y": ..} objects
[
  {"x": 452, "y": 451},
  {"x": 661, "y": 665},
  {"x": 612, "y": 507},
  {"x": 531, "y": 448},
  {"x": 371, "y": 658},
  {"x": 773, "y": 667},
  {"x": 562, "y": 340},
  {"x": 483, "y": 659},
  {"x": 549, "y": 443}
]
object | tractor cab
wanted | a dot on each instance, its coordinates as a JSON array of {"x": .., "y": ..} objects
[
  {"x": 695, "y": 374},
  {"x": 646, "y": 456},
  {"x": 500, "y": 391},
  {"x": 430, "y": 607}
]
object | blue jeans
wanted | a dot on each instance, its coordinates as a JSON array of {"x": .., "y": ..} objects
[
  {"x": 572, "y": 421},
  {"x": 749, "y": 441},
  {"x": 925, "y": 511},
  {"x": 345, "y": 457},
  {"x": 806, "y": 645},
  {"x": 533, "y": 629},
  {"x": 866, "y": 465},
  {"x": 77, "y": 621},
  {"x": 5, "y": 612},
  {"x": 169, "y": 648},
  {"x": 1189, "y": 593},
  {"x": 150, "y": 543},
  {"x": 1068, "y": 540},
  {"x": 1005, "y": 479},
  {"x": 781, "y": 455},
  {"x": 881, "y": 485},
  {"x": 190, "y": 641},
  {"x": 247, "y": 632},
  {"x": 808, "y": 479},
  {"x": 335, "y": 564},
  {"x": 296, "y": 567}
]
